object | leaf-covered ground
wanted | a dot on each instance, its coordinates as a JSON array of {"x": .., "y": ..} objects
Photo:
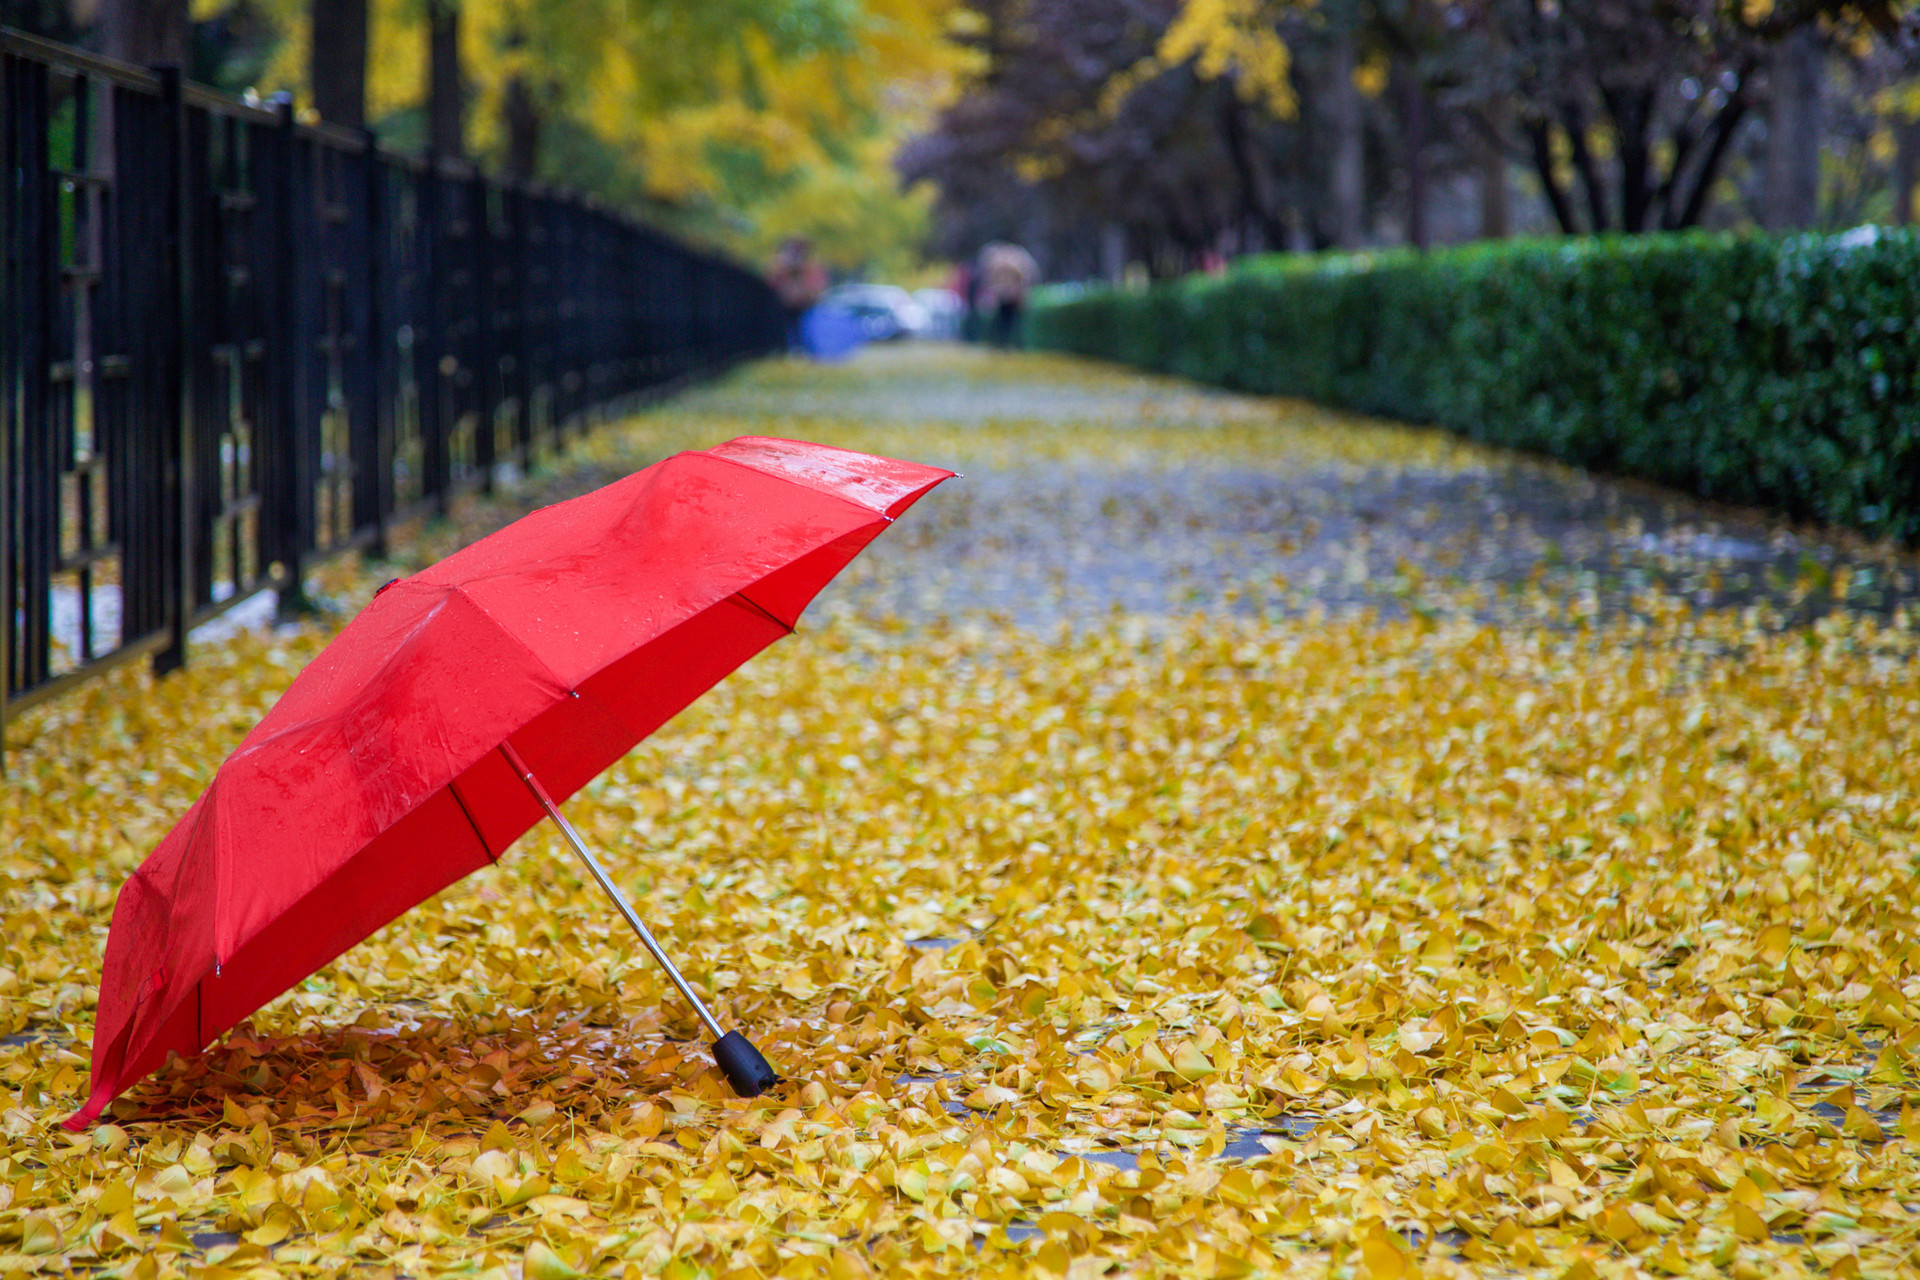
[{"x": 1214, "y": 837}]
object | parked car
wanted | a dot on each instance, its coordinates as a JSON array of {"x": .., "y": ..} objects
[
  {"x": 884, "y": 311},
  {"x": 945, "y": 311}
]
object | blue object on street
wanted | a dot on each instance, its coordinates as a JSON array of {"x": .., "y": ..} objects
[{"x": 831, "y": 333}]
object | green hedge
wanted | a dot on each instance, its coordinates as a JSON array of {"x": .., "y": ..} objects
[{"x": 1778, "y": 373}]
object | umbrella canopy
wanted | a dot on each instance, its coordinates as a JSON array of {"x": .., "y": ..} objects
[{"x": 377, "y": 779}]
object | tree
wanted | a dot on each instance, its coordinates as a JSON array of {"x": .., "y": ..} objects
[
  {"x": 1338, "y": 121},
  {"x": 53, "y": 19},
  {"x": 1088, "y": 125},
  {"x": 1906, "y": 155},
  {"x": 145, "y": 32},
  {"x": 1629, "y": 111},
  {"x": 1263, "y": 122},
  {"x": 720, "y": 118},
  {"x": 1796, "y": 78},
  {"x": 522, "y": 118},
  {"x": 1661, "y": 85},
  {"x": 1302, "y": 61},
  {"x": 446, "y": 92},
  {"x": 337, "y": 67}
]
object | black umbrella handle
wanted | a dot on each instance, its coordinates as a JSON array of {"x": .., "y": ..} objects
[{"x": 748, "y": 1072}]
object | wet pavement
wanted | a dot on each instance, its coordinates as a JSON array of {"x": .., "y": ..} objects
[{"x": 1085, "y": 495}]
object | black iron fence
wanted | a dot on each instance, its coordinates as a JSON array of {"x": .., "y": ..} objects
[{"x": 231, "y": 342}]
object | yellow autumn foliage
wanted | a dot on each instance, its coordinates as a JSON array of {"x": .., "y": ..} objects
[
  {"x": 689, "y": 98},
  {"x": 1238, "y": 942},
  {"x": 1237, "y": 38}
]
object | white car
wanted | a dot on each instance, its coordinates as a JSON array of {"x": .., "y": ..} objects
[
  {"x": 945, "y": 310},
  {"x": 885, "y": 311}
]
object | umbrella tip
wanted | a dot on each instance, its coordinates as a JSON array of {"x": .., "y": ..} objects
[{"x": 746, "y": 1069}]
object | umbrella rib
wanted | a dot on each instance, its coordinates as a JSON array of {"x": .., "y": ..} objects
[
  {"x": 513, "y": 636},
  {"x": 762, "y": 610},
  {"x": 788, "y": 477},
  {"x": 453, "y": 789}
]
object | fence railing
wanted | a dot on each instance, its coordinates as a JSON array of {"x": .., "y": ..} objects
[{"x": 231, "y": 342}]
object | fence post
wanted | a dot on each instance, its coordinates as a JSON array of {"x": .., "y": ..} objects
[
  {"x": 434, "y": 460},
  {"x": 293, "y": 499},
  {"x": 10, "y": 116},
  {"x": 519, "y": 385},
  {"x": 176, "y": 410},
  {"x": 33, "y": 266},
  {"x": 486, "y": 351},
  {"x": 374, "y": 470}
]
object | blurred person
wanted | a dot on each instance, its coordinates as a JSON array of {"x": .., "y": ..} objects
[
  {"x": 798, "y": 280},
  {"x": 1007, "y": 272},
  {"x": 965, "y": 282}
]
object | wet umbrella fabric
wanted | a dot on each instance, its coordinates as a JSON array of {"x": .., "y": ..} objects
[{"x": 378, "y": 779}]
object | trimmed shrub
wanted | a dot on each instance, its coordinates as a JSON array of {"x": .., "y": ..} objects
[{"x": 1778, "y": 373}]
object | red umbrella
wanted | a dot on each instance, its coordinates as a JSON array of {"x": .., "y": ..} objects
[{"x": 437, "y": 726}]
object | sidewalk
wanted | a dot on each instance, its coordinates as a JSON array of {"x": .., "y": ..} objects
[{"x": 1213, "y": 837}]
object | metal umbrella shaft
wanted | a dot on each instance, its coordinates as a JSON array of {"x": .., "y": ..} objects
[
  {"x": 613, "y": 890},
  {"x": 746, "y": 1069}
]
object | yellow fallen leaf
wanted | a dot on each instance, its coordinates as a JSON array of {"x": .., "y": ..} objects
[
  {"x": 1858, "y": 1124},
  {"x": 542, "y": 1263},
  {"x": 1650, "y": 1219},
  {"x": 1220, "y": 1097},
  {"x": 562, "y": 1206},
  {"x": 1415, "y": 1039},
  {"x": 492, "y": 1167},
  {"x": 40, "y": 1234},
  {"x": 1191, "y": 1062},
  {"x": 1383, "y": 1257}
]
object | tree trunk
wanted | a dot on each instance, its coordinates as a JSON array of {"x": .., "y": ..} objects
[
  {"x": 1113, "y": 252},
  {"x": 1793, "y": 133},
  {"x": 1726, "y": 126},
  {"x": 337, "y": 61},
  {"x": 1346, "y": 139},
  {"x": 1254, "y": 206},
  {"x": 1540, "y": 136},
  {"x": 1490, "y": 156},
  {"x": 445, "y": 109},
  {"x": 520, "y": 112},
  {"x": 1632, "y": 114},
  {"x": 1496, "y": 207},
  {"x": 148, "y": 33},
  {"x": 1906, "y": 169},
  {"x": 1592, "y": 181},
  {"x": 1413, "y": 139}
]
